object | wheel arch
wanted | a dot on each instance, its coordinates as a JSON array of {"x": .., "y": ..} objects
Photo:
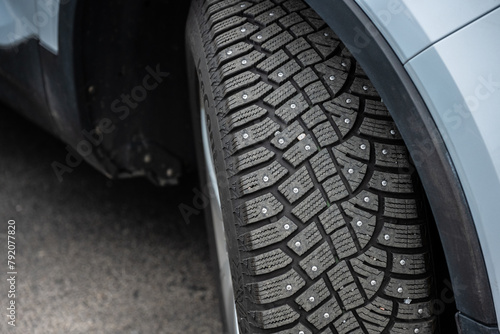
[{"x": 456, "y": 227}]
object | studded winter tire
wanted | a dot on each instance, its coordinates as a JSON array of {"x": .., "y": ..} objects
[{"x": 320, "y": 225}]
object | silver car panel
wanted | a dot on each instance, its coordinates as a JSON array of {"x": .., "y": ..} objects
[
  {"x": 20, "y": 20},
  {"x": 410, "y": 26},
  {"x": 459, "y": 79}
]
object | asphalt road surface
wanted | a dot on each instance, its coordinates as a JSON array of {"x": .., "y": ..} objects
[{"x": 94, "y": 255}]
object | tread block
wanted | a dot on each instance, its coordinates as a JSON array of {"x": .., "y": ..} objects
[
  {"x": 252, "y": 158},
  {"x": 371, "y": 279},
  {"x": 272, "y": 62},
  {"x": 239, "y": 64},
  {"x": 354, "y": 147},
  {"x": 284, "y": 138},
  {"x": 343, "y": 243},
  {"x": 340, "y": 276},
  {"x": 259, "y": 8},
  {"x": 424, "y": 327},
  {"x": 318, "y": 261},
  {"x": 400, "y": 208},
  {"x": 280, "y": 94},
  {"x": 241, "y": 80},
  {"x": 253, "y": 134},
  {"x": 283, "y": 73},
  {"x": 267, "y": 262},
  {"x": 363, "y": 86},
  {"x": 270, "y": 16},
  {"x": 391, "y": 182},
  {"x": 268, "y": 235},
  {"x": 262, "y": 178},
  {"x": 232, "y": 52},
  {"x": 234, "y": 35},
  {"x": 364, "y": 199},
  {"x": 331, "y": 219},
  {"x": 290, "y": 20},
  {"x": 353, "y": 170},
  {"x": 313, "y": 18},
  {"x": 300, "y": 151},
  {"x": 297, "y": 329},
  {"x": 401, "y": 236},
  {"x": 325, "y": 314},
  {"x": 276, "y": 288},
  {"x": 350, "y": 296},
  {"x": 247, "y": 96},
  {"x": 308, "y": 57},
  {"x": 294, "y": 5},
  {"x": 260, "y": 208},
  {"x": 266, "y": 34},
  {"x": 395, "y": 156},
  {"x": 377, "y": 311},
  {"x": 408, "y": 288},
  {"x": 277, "y": 42},
  {"x": 325, "y": 134},
  {"x": 227, "y": 24},
  {"x": 244, "y": 116},
  {"x": 224, "y": 10},
  {"x": 346, "y": 323},
  {"x": 297, "y": 185},
  {"x": 305, "y": 77},
  {"x": 376, "y": 108},
  {"x": 292, "y": 108},
  {"x": 297, "y": 46},
  {"x": 305, "y": 239},
  {"x": 301, "y": 29},
  {"x": 410, "y": 264},
  {"x": 313, "y": 296},
  {"x": 379, "y": 128},
  {"x": 313, "y": 117},
  {"x": 274, "y": 317},
  {"x": 322, "y": 165},
  {"x": 309, "y": 207},
  {"x": 335, "y": 188},
  {"x": 414, "y": 310},
  {"x": 363, "y": 226}
]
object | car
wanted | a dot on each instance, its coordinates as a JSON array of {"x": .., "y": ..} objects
[{"x": 348, "y": 151}]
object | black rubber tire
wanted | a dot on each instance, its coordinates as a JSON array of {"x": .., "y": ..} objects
[{"x": 322, "y": 211}]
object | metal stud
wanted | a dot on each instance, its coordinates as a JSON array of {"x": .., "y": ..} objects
[
  {"x": 416, "y": 331},
  {"x": 350, "y": 170},
  {"x": 420, "y": 311},
  {"x": 384, "y": 183},
  {"x": 365, "y": 88},
  {"x": 343, "y": 64},
  {"x": 384, "y": 151},
  {"x": 245, "y": 136},
  {"x": 307, "y": 147},
  {"x": 264, "y": 210},
  {"x": 402, "y": 262},
  {"x": 359, "y": 223},
  {"x": 265, "y": 178},
  {"x": 229, "y": 52},
  {"x": 293, "y": 106},
  {"x": 297, "y": 244},
  {"x": 393, "y": 132},
  {"x": 243, "y": 30},
  {"x": 311, "y": 299},
  {"x": 288, "y": 287},
  {"x": 314, "y": 268},
  {"x": 301, "y": 136},
  {"x": 362, "y": 146},
  {"x": 245, "y": 96},
  {"x": 387, "y": 237},
  {"x": 301, "y": 332},
  {"x": 326, "y": 315},
  {"x": 366, "y": 199},
  {"x": 281, "y": 141},
  {"x": 286, "y": 227},
  {"x": 325, "y": 34},
  {"x": 295, "y": 190},
  {"x": 373, "y": 282},
  {"x": 242, "y": 5},
  {"x": 347, "y": 120},
  {"x": 400, "y": 290},
  {"x": 259, "y": 36},
  {"x": 332, "y": 78},
  {"x": 348, "y": 101},
  {"x": 244, "y": 61},
  {"x": 271, "y": 14},
  {"x": 280, "y": 74}
]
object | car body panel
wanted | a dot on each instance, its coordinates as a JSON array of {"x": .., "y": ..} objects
[
  {"x": 411, "y": 26},
  {"x": 21, "y": 20},
  {"x": 459, "y": 79}
]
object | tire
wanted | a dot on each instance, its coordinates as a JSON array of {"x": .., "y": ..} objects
[{"x": 322, "y": 215}]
